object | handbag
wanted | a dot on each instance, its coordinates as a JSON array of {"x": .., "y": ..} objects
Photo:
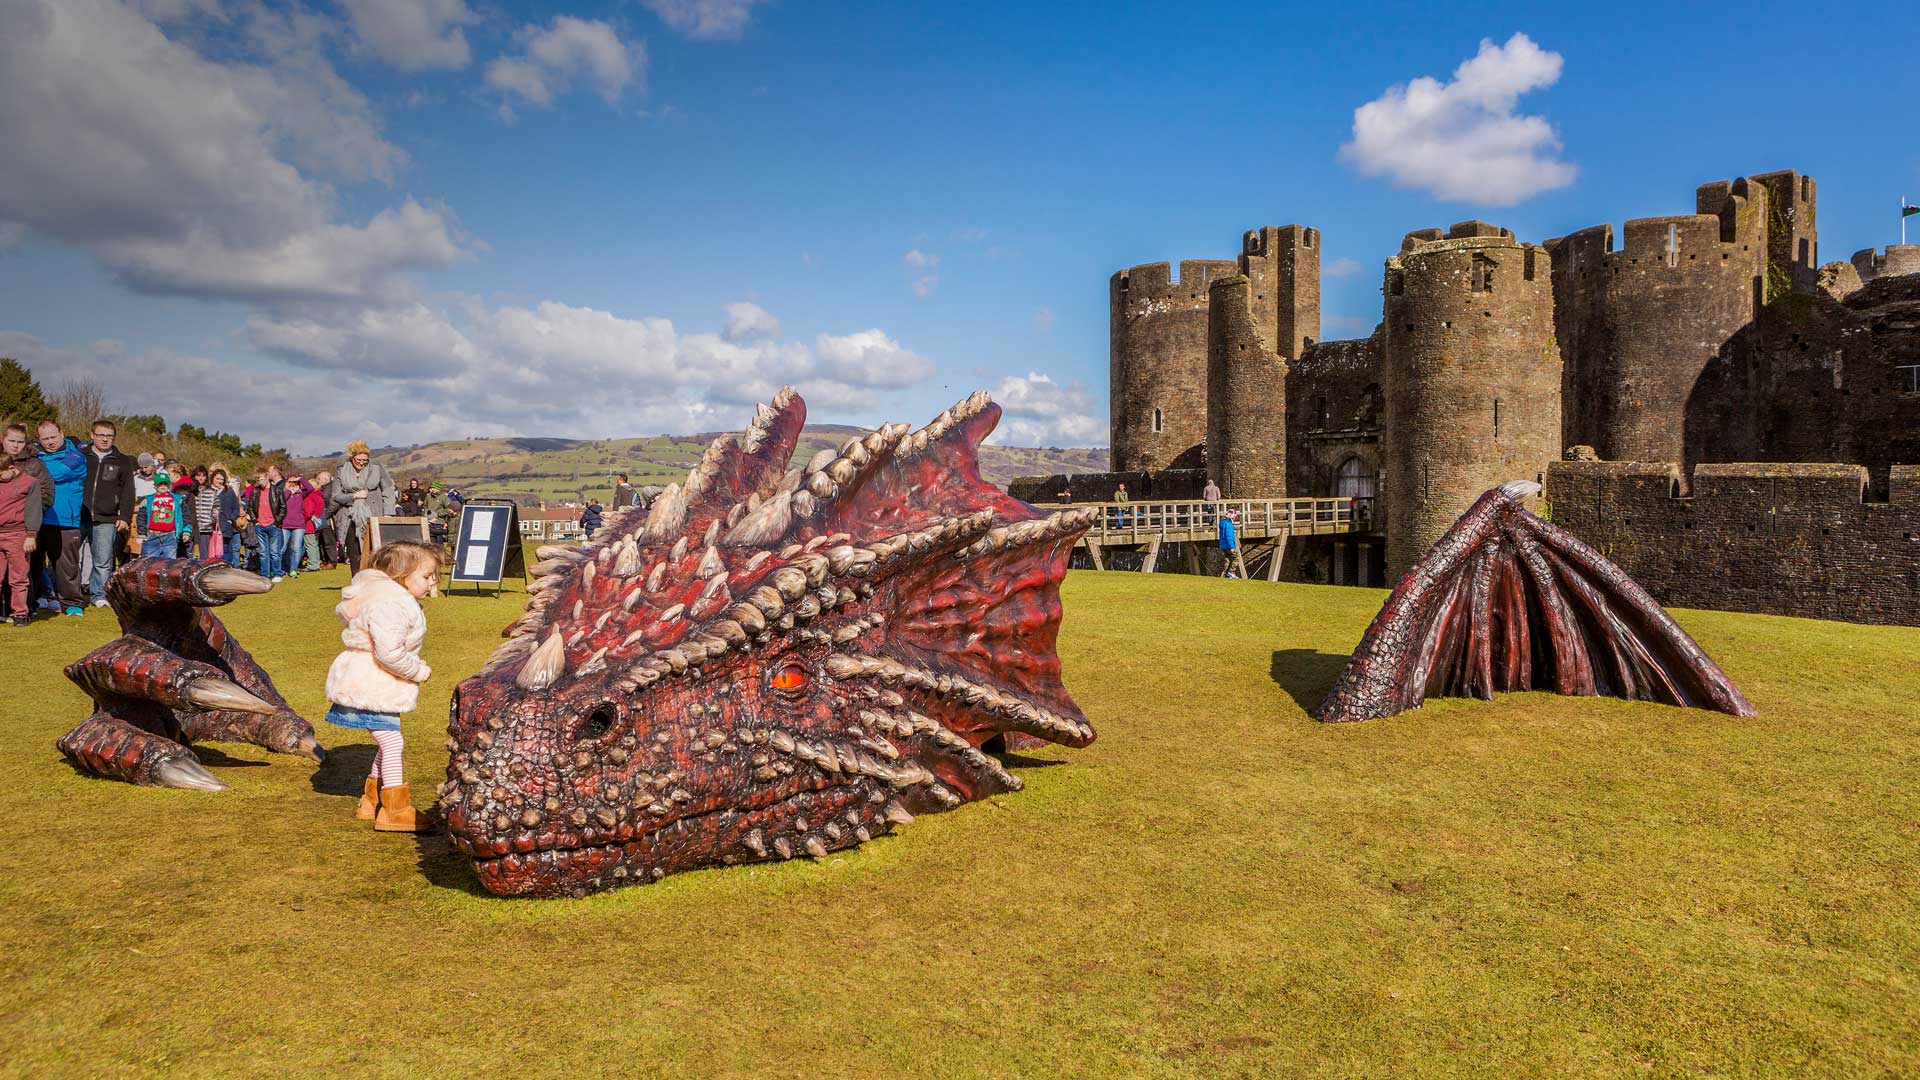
[{"x": 216, "y": 545}]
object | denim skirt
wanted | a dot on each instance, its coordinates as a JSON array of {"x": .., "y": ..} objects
[{"x": 365, "y": 721}]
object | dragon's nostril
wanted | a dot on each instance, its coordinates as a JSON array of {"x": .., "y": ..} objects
[{"x": 597, "y": 723}]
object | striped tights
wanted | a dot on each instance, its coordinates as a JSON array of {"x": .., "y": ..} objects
[{"x": 386, "y": 759}]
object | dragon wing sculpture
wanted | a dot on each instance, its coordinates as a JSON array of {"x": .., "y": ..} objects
[
  {"x": 766, "y": 662},
  {"x": 1507, "y": 601},
  {"x": 174, "y": 677}
]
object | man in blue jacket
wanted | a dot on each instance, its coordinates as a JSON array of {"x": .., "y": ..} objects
[
  {"x": 1229, "y": 538},
  {"x": 60, "y": 526}
]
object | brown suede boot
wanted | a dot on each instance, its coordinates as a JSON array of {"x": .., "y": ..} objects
[
  {"x": 369, "y": 800},
  {"x": 396, "y": 812}
]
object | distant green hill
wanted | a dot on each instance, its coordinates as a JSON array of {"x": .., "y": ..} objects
[{"x": 553, "y": 470}]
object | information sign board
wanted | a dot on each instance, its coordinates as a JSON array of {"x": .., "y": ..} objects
[{"x": 487, "y": 547}]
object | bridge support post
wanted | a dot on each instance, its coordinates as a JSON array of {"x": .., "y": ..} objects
[
  {"x": 1153, "y": 556},
  {"x": 1339, "y": 563},
  {"x": 1273, "y": 561},
  {"x": 1094, "y": 553},
  {"x": 1364, "y": 572}
]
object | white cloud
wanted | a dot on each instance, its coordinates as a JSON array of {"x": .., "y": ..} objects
[
  {"x": 923, "y": 286},
  {"x": 413, "y": 34},
  {"x": 970, "y": 234},
  {"x": 556, "y": 367},
  {"x": 1341, "y": 268},
  {"x": 705, "y": 19},
  {"x": 570, "y": 49},
  {"x": 1352, "y": 324},
  {"x": 172, "y": 173},
  {"x": 920, "y": 260},
  {"x": 1461, "y": 140},
  {"x": 1041, "y": 412},
  {"x": 746, "y": 319},
  {"x": 870, "y": 358},
  {"x": 1043, "y": 320}
]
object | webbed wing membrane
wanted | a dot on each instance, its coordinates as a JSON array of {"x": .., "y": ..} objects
[{"x": 1507, "y": 601}]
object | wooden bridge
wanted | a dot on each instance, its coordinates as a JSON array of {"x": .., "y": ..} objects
[{"x": 1264, "y": 527}]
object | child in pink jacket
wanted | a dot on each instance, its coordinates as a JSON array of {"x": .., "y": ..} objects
[{"x": 378, "y": 677}]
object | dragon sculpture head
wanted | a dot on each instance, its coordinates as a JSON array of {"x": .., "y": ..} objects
[{"x": 768, "y": 662}]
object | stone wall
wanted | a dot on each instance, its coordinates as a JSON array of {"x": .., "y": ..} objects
[
  {"x": 1471, "y": 378},
  {"x": 1159, "y": 364},
  {"x": 1784, "y": 539},
  {"x": 1099, "y": 487}
]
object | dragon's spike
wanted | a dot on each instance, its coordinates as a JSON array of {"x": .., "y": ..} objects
[{"x": 545, "y": 666}]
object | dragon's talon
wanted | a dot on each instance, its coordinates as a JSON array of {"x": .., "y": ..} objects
[
  {"x": 217, "y": 693},
  {"x": 174, "y": 677},
  {"x": 186, "y": 773}
]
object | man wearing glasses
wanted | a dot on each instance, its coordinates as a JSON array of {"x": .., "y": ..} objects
[{"x": 108, "y": 505}]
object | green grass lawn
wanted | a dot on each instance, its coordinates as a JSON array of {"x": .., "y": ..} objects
[{"x": 1218, "y": 887}]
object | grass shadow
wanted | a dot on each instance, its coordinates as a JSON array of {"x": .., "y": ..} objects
[
  {"x": 217, "y": 759},
  {"x": 443, "y": 867},
  {"x": 345, "y": 772},
  {"x": 1306, "y": 674},
  {"x": 1021, "y": 761}
]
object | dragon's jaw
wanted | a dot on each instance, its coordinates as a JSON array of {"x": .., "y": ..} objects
[{"x": 721, "y": 769}]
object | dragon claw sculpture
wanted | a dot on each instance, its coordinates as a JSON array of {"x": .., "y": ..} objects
[
  {"x": 769, "y": 662},
  {"x": 176, "y": 676},
  {"x": 1507, "y": 601}
]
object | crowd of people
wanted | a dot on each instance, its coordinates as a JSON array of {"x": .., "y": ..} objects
[{"x": 71, "y": 512}]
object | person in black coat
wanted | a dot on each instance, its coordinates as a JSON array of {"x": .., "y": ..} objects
[
  {"x": 107, "y": 504},
  {"x": 590, "y": 520}
]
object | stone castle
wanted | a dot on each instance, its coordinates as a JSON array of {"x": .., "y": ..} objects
[{"x": 1711, "y": 349}]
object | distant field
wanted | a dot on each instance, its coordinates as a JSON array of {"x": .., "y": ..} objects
[
  {"x": 564, "y": 469},
  {"x": 1218, "y": 887}
]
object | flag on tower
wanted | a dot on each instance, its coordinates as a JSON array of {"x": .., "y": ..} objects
[{"x": 1908, "y": 211}]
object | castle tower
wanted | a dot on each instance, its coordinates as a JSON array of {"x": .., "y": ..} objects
[
  {"x": 1159, "y": 364},
  {"x": 1793, "y": 242},
  {"x": 1471, "y": 377},
  {"x": 1282, "y": 265},
  {"x": 1657, "y": 336},
  {"x": 1246, "y": 396}
]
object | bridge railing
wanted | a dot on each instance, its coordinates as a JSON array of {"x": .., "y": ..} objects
[{"x": 1188, "y": 518}]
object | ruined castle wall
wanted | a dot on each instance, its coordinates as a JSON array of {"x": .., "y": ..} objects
[
  {"x": 1101, "y": 487},
  {"x": 1283, "y": 264},
  {"x": 1784, "y": 539},
  {"x": 1335, "y": 410},
  {"x": 1246, "y": 397},
  {"x": 1471, "y": 378},
  {"x": 1896, "y": 260},
  {"x": 1159, "y": 364}
]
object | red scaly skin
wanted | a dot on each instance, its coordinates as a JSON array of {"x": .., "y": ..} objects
[
  {"x": 770, "y": 662},
  {"x": 1508, "y": 601},
  {"x": 174, "y": 677}
]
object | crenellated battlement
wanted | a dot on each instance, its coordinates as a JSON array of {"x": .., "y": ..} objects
[
  {"x": 1894, "y": 261},
  {"x": 1156, "y": 281},
  {"x": 1795, "y": 538}
]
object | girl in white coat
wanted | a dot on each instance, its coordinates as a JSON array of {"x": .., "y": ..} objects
[{"x": 378, "y": 677}]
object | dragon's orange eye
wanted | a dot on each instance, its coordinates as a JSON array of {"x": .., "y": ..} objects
[{"x": 791, "y": 677}]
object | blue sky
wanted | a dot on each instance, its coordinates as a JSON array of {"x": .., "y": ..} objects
[{"x": 417, "y": 219}]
